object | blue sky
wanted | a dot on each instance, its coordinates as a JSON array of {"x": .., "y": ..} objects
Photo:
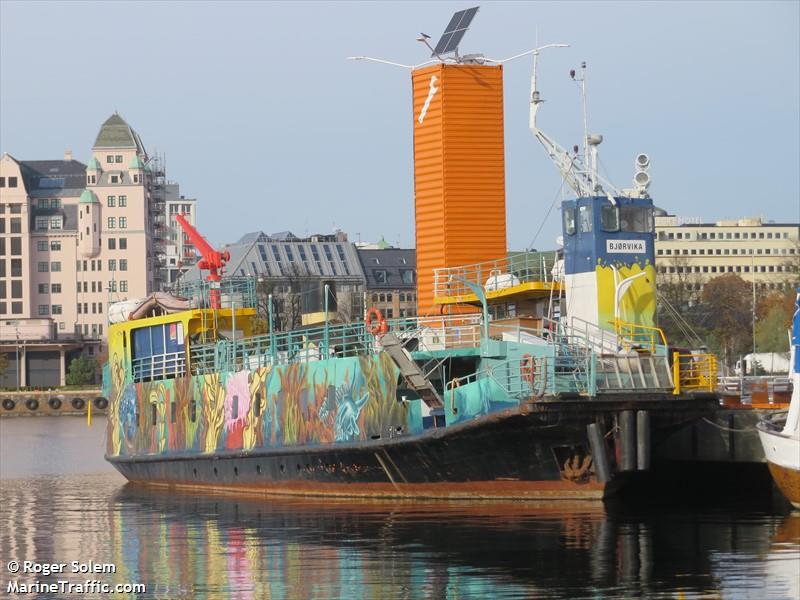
[{"x": 265, "y": 122}]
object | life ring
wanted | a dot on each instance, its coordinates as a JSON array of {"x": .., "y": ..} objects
[
  {"x": 78, "y": 403},
  {"x": 9, "y": 404},
  {"x": 54, "y": 403},
  {"x": 377, "y": 326},
  {"x": 100, "y": 403},
  {"x": 526, "y": 368},
  {"x": 32, "y": 404}
]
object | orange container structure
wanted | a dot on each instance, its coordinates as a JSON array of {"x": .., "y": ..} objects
[{"x": 459, "y": 170}]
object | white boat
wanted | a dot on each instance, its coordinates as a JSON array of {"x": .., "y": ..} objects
[{"x": 780, "y": 433}]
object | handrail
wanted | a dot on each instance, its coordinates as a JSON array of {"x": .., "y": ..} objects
[
  {"x": 634, "y": 335},
  {"x": 493, "y": 275}
]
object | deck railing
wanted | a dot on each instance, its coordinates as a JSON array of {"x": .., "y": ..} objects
[
  {"x": 493, "y": 275},
  {"x": 234, "y": 292},
  {"x": 159, "y": 366}
]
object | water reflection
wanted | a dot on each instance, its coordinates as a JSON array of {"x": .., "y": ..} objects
[{"x": 185, "y": 546}]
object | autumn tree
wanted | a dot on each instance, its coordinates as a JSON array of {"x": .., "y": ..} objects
[
  {"x": 728, "y": 304},
  {"x": 773, "y": 320}
]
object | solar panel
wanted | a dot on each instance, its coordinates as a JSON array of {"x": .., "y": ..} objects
[{"x": 454, "y": 31}]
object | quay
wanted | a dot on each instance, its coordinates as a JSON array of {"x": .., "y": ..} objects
[{"x": 52, "y": 402}]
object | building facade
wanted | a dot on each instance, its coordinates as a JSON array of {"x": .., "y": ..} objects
[
  {"x": 391, "y": 280},
  {"x": 295, "y": 272},
  {"x": 180, "y": 253},
  {"x": 766, "y": 254},
  {"x": 75, "y": 237}
]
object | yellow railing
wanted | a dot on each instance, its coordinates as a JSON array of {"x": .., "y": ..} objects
[
  {"x": 634, "y": 336},
  {"x": 694, "y": 372}
]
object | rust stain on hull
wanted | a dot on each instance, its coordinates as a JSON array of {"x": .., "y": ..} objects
[
  {"x": 788, "y": 481},
  {"x": 471, "y": 490}
]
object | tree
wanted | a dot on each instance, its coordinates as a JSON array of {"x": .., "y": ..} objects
[
  {"x": 728, "y": 302},
  {"x": 81, "y": 371},
  {"x": 774, "y": 318},
  {"x": 679, "y": 313}
]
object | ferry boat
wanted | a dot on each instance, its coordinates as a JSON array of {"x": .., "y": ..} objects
[
  {"x": 780, "y": 432},
  {"x": 523, "y": 377}
]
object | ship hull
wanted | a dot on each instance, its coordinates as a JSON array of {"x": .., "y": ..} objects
[
  {"x": 783, "y": 458},
  {"x": 535, "y": 451}
]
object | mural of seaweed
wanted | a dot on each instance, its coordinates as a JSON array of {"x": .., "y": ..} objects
[
  {"x": 212, "y": 400},
  {"x": 253, "y": 434},
  {"x": 291, "y": 379},
  {"x": 382, "y": 411}
]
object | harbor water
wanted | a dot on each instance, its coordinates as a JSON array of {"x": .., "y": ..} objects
[{"x": 62, "y": 504}]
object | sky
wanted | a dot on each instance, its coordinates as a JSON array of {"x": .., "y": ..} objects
[{"x": 264, "y": 121}]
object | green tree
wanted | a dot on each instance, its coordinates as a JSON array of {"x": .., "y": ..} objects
[{"x": 81, "y": 371}]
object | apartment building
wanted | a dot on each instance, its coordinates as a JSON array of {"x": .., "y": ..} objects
[
  {"x": 391, "y": 280},
  {"x": 74, "y": 237},
  {"x": 180, "y": 253},
  {"x": 765, "y": 253}
]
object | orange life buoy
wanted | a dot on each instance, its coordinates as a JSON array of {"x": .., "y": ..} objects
[
  {"x": 377, "y": 326},
  {"x": 526, "y": 368}
]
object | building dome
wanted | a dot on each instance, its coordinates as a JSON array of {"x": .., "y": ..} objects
[
  {"x": 94, "y": 165},
  {"x": 136, "y": 163},
  {"x": 88, "y": 197}
]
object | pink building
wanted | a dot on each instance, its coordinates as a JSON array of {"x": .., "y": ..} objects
[{"x": 73, "y": 238}]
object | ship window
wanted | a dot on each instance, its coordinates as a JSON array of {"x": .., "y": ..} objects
[
  {"x": 637, "y": 219},
  {"x": 158, "y": 352},
  {"x": 569, "y": 221},
  {"x": 172, "y": 411},
  {"x": 609, "y": 218},
  {"x": 153, "y": 413},
  {"x": 585, "y": 218},
  {"x": 257, "y": 405}
]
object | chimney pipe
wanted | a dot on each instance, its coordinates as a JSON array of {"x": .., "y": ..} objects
[{"x": 67, "y": 154}]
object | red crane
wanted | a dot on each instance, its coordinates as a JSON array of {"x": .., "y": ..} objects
[{"x": 212, "y": 261}]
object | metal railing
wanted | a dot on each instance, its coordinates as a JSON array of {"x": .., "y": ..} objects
[
  {"x": 633, "y": 336},
  {"x": 159, "y": 366},
  {"x": 694, "y": 372},
  {"x": 493, "y": 275},
  {"x": 234, "y": 292}
]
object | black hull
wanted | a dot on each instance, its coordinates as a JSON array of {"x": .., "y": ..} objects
[{"x": 536, "y": 451}]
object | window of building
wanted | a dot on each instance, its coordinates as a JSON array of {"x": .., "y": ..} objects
[
  {"x": 16, "y": 267},
  {"x": 123, "y": 201},
  {"x": 16, "y": 225},
  {"x": 91, "y": 179},
  {"x": 118, "y": 158},
  {"x": 123, "y": 286},
  {"x": 115, "y": 179},
  {"x": 123, "y": 222},
  {"x": 43, "y": 288},
  {"x": 43, "y": 203},
  {"x": 407, "y": 276},
  {"x": 2, "y": 184},
  {"x": 44, "y": 309},
  {"x": 112, "y": 243},
  {"x": 42, "y": 267},
  {"x": 16, "y": 246},
  {"x": 16, "y": 289},
  {"x": 112, "y": 222},
  {"x": 112, "y": 264},
  {"x": 123, "y": 243},
  {"x": 110, "y": 158},
  {"x": 56, "y": 309},
  {"x": 55, "y": 245},
  {"x": 135, "y": 178},
  {"x": 55, "y": 222},
  {"x": 15, "y": 209},
  {"x": 380, "y": 275},
  {"x": 55, "y": 266},
  {"x": 55, "y": 288},
  {"x": 112, "y": 201}
]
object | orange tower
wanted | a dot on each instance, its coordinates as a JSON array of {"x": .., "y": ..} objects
[{"x": 459, "y": 170}]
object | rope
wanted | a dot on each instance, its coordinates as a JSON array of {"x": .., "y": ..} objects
[{"x": 727, "y": 428}]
